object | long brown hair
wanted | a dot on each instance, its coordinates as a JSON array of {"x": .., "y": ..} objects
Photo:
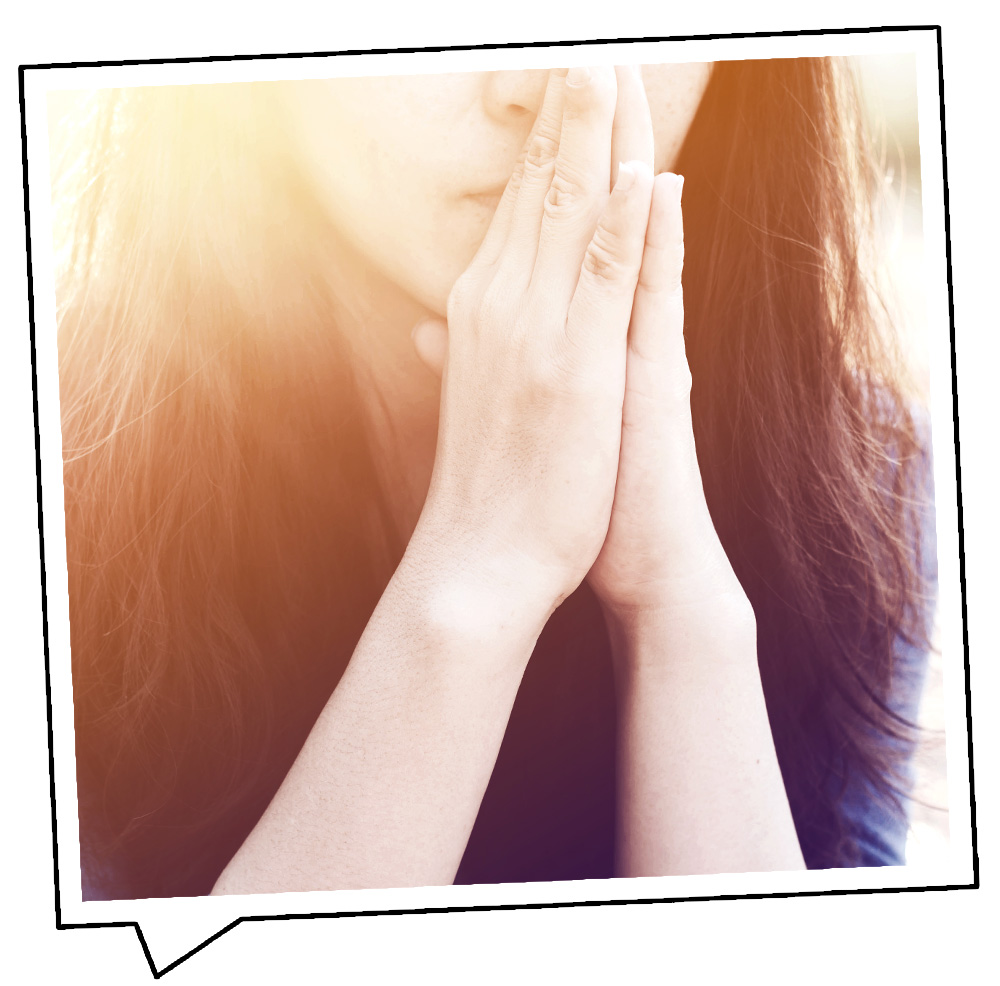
[
  {"x": 814, "y": 468},
  {"x": 226, "y": 534}
]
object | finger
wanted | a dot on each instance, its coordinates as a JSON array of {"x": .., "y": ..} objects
[
  {"x": 632, "y": 131},
  {"x": 656, "y": 335},
  {"x": 658, "y": 379},
  {"x": 610, "y": 269},
  {"x": 536, "y": 178},
  {"x": 430, "y": 339},
  {"x": 579, "y": 189},
  {"x": 543, "y": 140}
]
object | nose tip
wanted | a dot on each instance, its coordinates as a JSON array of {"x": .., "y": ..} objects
[{"x": 514, "y": 94}]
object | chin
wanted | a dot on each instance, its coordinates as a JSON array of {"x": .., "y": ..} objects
[
  {"x": 437, "y": 290},
  {"x": 433, "y": 295},
  {"x": 431, "y": 284}
]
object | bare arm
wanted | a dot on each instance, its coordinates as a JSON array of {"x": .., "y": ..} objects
[
  {"x": 388, "y": 784},
  {"x": 699, "y": 785},
  {"x": 387, "y": 787}
]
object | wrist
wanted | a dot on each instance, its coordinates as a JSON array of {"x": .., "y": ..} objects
[
  {"x": 667, "y": 587},
  {"x": 482, "y": 596},
  {"x": 712, "y": 626}
]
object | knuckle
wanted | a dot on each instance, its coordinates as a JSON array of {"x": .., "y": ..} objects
[
  {"x": 492, "y": 305},
  {"x": 563, "y": 197},
  {"x": 462, "y": 297},
  {"x": 542, "y": 150},
  {"x": 517, "y": 178},
  {"x": 457, "y": 300},
  {"x": 479, "y": 303},
  {"x": 542, "y": 366},
  {"x": 604, "y": 259},
  {"x": 543, "y": 380}
]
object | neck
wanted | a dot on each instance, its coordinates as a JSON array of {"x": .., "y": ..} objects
[{"x": 401, "y": 397}]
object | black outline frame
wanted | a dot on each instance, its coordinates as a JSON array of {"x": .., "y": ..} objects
[{"x": 158, "y": 973}]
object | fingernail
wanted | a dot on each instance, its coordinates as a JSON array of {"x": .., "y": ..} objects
[
  {"x": 578, "y": 76},
  {"x": 680, "y": 187},
  {"x": 626, "y": 176}
]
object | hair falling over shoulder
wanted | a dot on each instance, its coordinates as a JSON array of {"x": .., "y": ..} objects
[
  {"x": 226, "y": 533},
  {"x": 814, "y": 467},
  {"x": 221, "y": 505}
]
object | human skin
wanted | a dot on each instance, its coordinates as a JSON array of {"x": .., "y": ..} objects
[
  {"x": 408, "y": 172},
  {"x": 542, "y": 332},
  {"x": 410, "y": 168},
  {"x": 699, "y": 784},
  {"x": 389, "y": 782}
]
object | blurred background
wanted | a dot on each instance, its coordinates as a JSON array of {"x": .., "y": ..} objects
[{"x": 888, "y": 85}]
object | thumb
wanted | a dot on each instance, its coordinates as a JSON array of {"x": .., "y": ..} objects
[{"x": 430, "y": 339}]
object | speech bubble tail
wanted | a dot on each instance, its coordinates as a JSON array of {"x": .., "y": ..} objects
[{"x": 168, "y": 943}]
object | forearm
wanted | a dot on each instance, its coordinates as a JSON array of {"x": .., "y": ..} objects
[
  {"x": 699, "y": 787},
  {"x": 387, "y": 787}
]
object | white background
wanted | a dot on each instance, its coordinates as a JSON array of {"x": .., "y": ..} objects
[{"x": 919, "y": 937}]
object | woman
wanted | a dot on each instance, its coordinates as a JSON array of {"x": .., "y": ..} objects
[{"x": 307, "y": 574}]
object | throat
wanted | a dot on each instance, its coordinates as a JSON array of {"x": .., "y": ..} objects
[
  {"x": 401, "y": 399},
  {"x": 400, "y": 396},
  {"x": 402, "y": 410}
]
